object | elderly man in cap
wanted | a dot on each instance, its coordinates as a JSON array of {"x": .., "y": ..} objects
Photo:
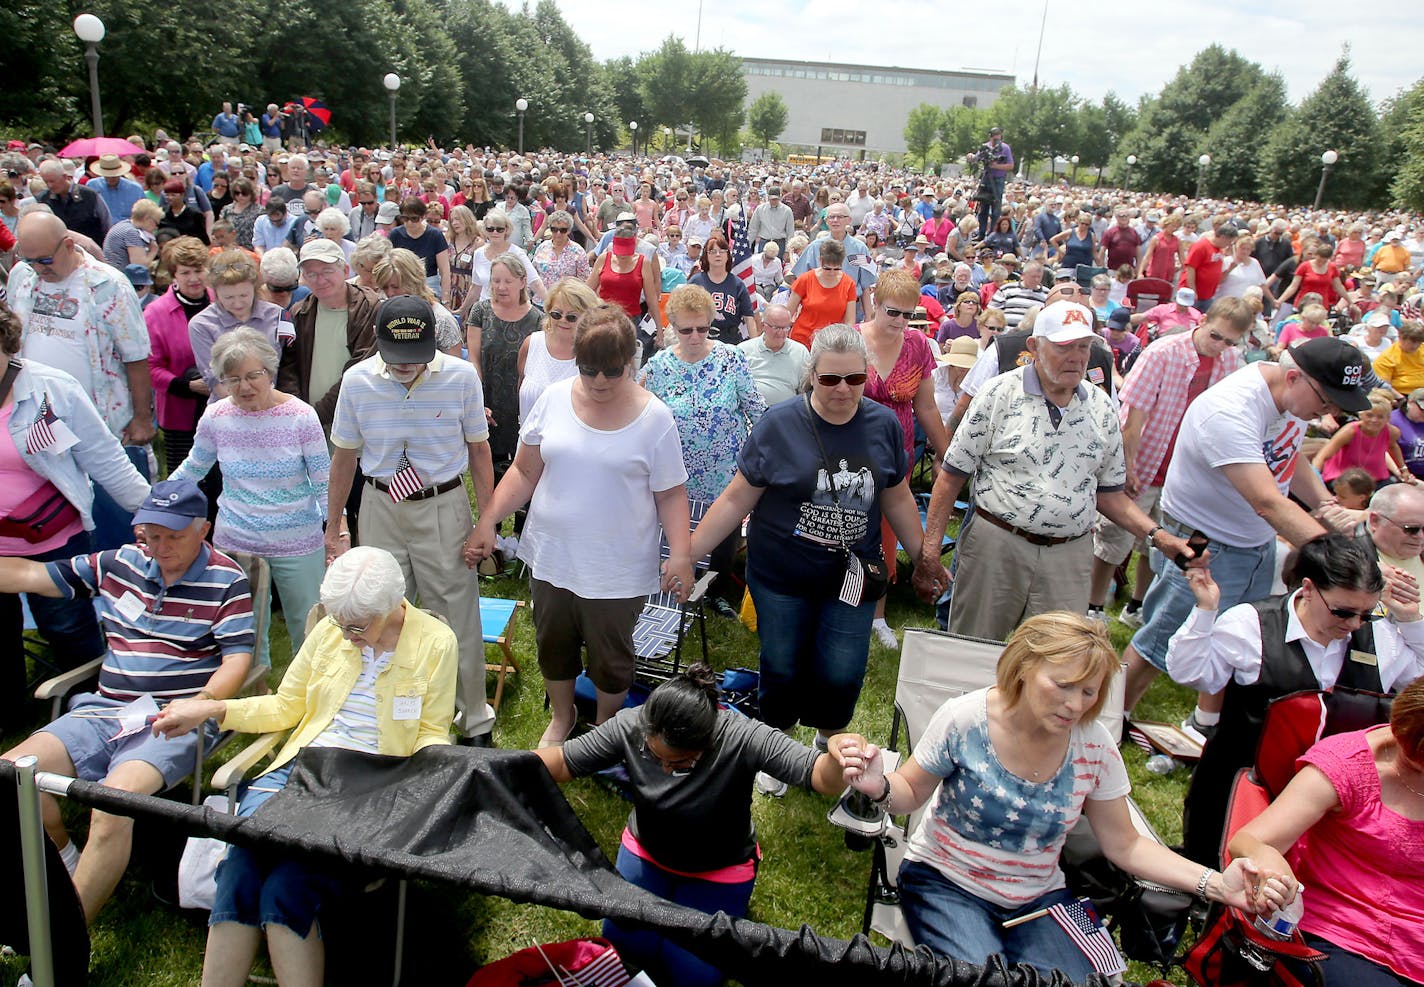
[
  {"x": 773, "y": 222},
  {"x": 177, "y": 616},
  {"x": 1045, "y": 452},
  {"x": 415, "y": 418},
  {"x": 1235, "y": 478},
  {"x": 118, "y": 191}
]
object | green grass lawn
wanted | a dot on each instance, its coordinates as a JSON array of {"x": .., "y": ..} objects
[{"x": 808, "y": 876}]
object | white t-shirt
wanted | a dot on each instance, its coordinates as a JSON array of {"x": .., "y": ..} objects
[
  {"x": 593, "y": 522},
  {"x": 1236, "y": 421},
  {"x": 1239, "y": 278},
  {"x": 56, "y": 333},
  {"x": 994, "y": 834}
]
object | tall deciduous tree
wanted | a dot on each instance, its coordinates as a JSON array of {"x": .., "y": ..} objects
[
  {"x": 1403, "y": 133},
  {"x": 766, "y": 117},
  {"x": 1234, "y": 141},
  {"x": 921, "y": 129}
]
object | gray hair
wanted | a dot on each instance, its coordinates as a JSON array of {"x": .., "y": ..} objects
[
  {"x": 371, "y": 250},
  {"x": 242, "y": 343},
  {"x": 560, "y": 216},
  {"x": 280, "y": 265},
  {"x": 836, "y": 338},
  {"x": 1388, "y": 500},
  {"x": 362, "y": 584},
  {"x": 332, "y": 218}
]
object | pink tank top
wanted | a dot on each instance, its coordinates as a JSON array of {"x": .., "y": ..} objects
[{"x": 1364, "y": 451}]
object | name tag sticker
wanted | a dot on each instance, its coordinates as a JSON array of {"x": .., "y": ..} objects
[
  {"x": 129, "y": 606},
  {"x": 405, "y": 708},
  {"x": 1364, "y": 658}
]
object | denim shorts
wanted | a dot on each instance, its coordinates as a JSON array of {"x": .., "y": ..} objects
[
  {"x": 1245, "y": 575},
  {"x": 86, "y": 732}
]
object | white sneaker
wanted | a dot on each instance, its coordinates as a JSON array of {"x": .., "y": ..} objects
[
  {"x": 768, "y": 785},
  {"x": 885, "y": 634},
  {"x": 1099, "y": 615},
  {"x": 1130, "y": 618}
]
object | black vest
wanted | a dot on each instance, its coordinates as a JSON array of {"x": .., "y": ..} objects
[
  {"x": 1012, "y": 348},
  {"x": 1284, "y": 669},
  {"x": 78, "y": 208}
]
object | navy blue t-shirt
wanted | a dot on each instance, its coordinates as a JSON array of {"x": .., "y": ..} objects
[
  {"x": 427, "y": 247},
  {"x": 793, "y": 540}
]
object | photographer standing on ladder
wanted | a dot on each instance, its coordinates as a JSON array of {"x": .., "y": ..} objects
[{"x": 997, "y": 159}]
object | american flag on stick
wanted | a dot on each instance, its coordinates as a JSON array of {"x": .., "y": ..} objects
[
  {"x": 41, "y": 433},
  {"x": 1080, "y": 920},
  {"x": 406, "y": 481},
  {"x": 741, "y": 251}
]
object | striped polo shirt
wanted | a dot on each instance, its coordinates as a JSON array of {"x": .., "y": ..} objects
[
  {"x": 432, "y": 422},
  {"x": 164, "y": 641}
]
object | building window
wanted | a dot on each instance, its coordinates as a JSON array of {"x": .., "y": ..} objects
[{"x": 970, "y": 101}]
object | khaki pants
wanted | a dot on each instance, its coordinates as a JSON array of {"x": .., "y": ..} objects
[
  {"x": 427, "y": 537},
  {"x": 1002, "y": 580}
]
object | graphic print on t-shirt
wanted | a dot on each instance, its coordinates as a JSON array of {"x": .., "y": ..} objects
[
  {"x": 1281, "y": 452},
  {"x": 821, "y": 521}
]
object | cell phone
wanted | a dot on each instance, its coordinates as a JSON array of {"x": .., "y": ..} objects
[{"x": 1197, "y": 543}]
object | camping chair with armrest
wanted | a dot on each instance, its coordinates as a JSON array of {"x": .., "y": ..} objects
[
  {"x": 1230, "y": 949},
  {"x": 1145, "y": 293},
  {"x": 259, "y": 577},
  {"x": 663, "y": 624}
]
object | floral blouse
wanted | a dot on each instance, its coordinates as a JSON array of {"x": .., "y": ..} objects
[
  {"x": 572, "y": 262},
  {"x": 715, "y": 404}
]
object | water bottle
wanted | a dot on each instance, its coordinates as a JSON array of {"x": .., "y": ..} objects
[
  {"x": 1162, "y": 764},
  {"x": 1281, "y": 923}
]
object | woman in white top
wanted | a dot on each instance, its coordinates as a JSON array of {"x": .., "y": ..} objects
[
  {"x": 1241, "y": 271},
  {"x": 496, "y": 231},
  {"x": 547, "y": 356},
  {"x": 594, "y": 440}
]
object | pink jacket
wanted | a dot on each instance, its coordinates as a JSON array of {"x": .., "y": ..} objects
[{"x": 170, "y": 360}]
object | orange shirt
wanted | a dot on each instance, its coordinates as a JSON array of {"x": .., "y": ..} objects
[{"x": 820, "y": 306}]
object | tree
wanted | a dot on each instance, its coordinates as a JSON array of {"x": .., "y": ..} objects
[
  {"x": 1338, "y": 116},
  {"x": 961, "y": 130},
  {"x": 621, "y": 77},
  {"x": 1234, "y": 140},
  {"x": 1038, "y": 123},
  {"x": 921, "y": 129},
  {"x": 665, "y": 82},
  {"x": 719, "y": 94},
  {"x": 766, "y": 118},
  {"x": 1402, "y": 130}
]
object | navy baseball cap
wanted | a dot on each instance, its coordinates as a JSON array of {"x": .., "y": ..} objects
[{"x": 172, "y": 504}]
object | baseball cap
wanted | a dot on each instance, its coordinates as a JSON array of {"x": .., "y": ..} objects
[
  {"x": 1393, "y": 236},
  {"x": 405, "y": 330},
  {"x": 1186, "y": 296},
  {"x": 138, "y": 275},
  {"x": 1064, "y": 322},
  {"x": 625, "y": 217},
  {"x": 694, "y": 241},
  {"x": 387, "y": 214},
  {"x": 172, "y": 504},
  {"x": 1120, "y": 319},
  {"x": 322, "y": 249},
  {"x": 1337, "y": 367},
  {"x": 962, "y": 353}
]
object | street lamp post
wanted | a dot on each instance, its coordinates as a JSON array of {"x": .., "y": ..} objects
[
  {"x": 1327, "y": 161},
  {"x": 667, "y": 139},
  {"x": 1127, "y": 179},
  {"x": 392, "y": 83},
  {"x": 90, "y": 30},
  {"x": 1074, "y": 159},
  {"x": 1203, "y": 163},
  {"x": 633, "y": 127},
  {"x": 520, "y": 105},
  {"x": 588, "y": 128}
]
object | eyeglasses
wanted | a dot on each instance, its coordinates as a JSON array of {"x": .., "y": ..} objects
[
  {"x": 1345, "y": 613},
  {"x": 831, "y": 380},
  {"x": 1324, "y": 401},
  {"x": 689, "y": 330},
  {"x": 355, "y": 630},
  {"x": 556, "y": 316},
  {"x": 1411, "y": 530},
  {"x": 896, "y": 313},
  {"x": 368, "y": 202},
  {"x": 610, "y": 373},
  {"x": 678, "y": 767},
  {"x": 255, "y": 377},
  {"x": 316, "y": 212}
]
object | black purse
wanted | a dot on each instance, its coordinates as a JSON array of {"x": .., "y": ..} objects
[{"x": 866, "y": 580}]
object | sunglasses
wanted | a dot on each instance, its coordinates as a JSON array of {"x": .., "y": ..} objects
[
  {"x": 610, "y": 374},
  {"x": 282, "y": 288},
  {"x": 556, "y": 316},
  {"x": 831, "y": 380},
  {"x": 897, "y": 313},
  {"x": 689, "y": 330},
  {"x": 558, "y": 229},
  {"x": 1411, "y": 530},
  {"x": 1345, "y": 613},
  {"x": 42, "y": 261},
  {"x": 494, "y": 229},
  {"x": 1219, "y": 338}
]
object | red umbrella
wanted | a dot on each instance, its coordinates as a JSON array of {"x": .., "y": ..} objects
[
  {"x": 95, "y": 146},
  {"x": 318, "y": 116}
]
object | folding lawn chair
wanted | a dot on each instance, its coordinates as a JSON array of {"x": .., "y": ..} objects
[
  {"x": 664, "y": 622},
  {"x": 1145, "y": 293},
  {"x": 496, "y": 618}
]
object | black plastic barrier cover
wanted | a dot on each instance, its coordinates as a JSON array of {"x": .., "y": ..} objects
[{"x": 494, "y": 822}]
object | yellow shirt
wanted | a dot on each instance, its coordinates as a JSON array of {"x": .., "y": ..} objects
[
  {"x": 1400, "y": 370},
  {"x": 415, "y": 696},
  {"x": 1390, "y": 259}
]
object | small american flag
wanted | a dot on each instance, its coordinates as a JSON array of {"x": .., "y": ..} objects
[
  {"x": 41, "y": 434},
  {"x": 741, "y": 252},
  {"x": 407, "y": 480},
  {"x": 1080, "y": 920}
]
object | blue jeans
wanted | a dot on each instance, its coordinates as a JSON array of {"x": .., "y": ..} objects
[
  {"x": 1244, "y": 575},
  {"x": 113, "y": 526},
  {"x": 953, "y": 922},
  {"x": 813, "y": 656},
  {"x": 665, "y": 962}
]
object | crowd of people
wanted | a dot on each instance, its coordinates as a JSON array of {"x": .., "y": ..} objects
[{"x": 327, "y": 341}]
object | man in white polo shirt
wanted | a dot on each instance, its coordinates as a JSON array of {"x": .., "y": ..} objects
[
  {"x": 415, "y": 418},
  {"x": 777, "y": 363},
  {"x": 1045, "y": 452}
]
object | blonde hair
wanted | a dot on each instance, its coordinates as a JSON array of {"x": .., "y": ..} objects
[
  {"x": 1381, "y": 401},
  {"x": 690, "y": 299},
  {"x": 405, "y": 267},
  {"x": 1315, "y": 315},
  {"x": 1067, "y": 641}
]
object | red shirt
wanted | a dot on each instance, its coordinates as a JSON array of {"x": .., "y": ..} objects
[
  {"x": 1206, "y": 366},
  {"x": 1321, "y": 284},
  {"x": 1205, "y": 258},
  {"x": 1121, "y": 244}
]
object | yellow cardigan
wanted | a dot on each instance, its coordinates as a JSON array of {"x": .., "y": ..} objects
[{"x": 323, "y": 672}]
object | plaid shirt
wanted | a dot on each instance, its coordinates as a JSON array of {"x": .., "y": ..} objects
[{"x": 1157, "y": 385}]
